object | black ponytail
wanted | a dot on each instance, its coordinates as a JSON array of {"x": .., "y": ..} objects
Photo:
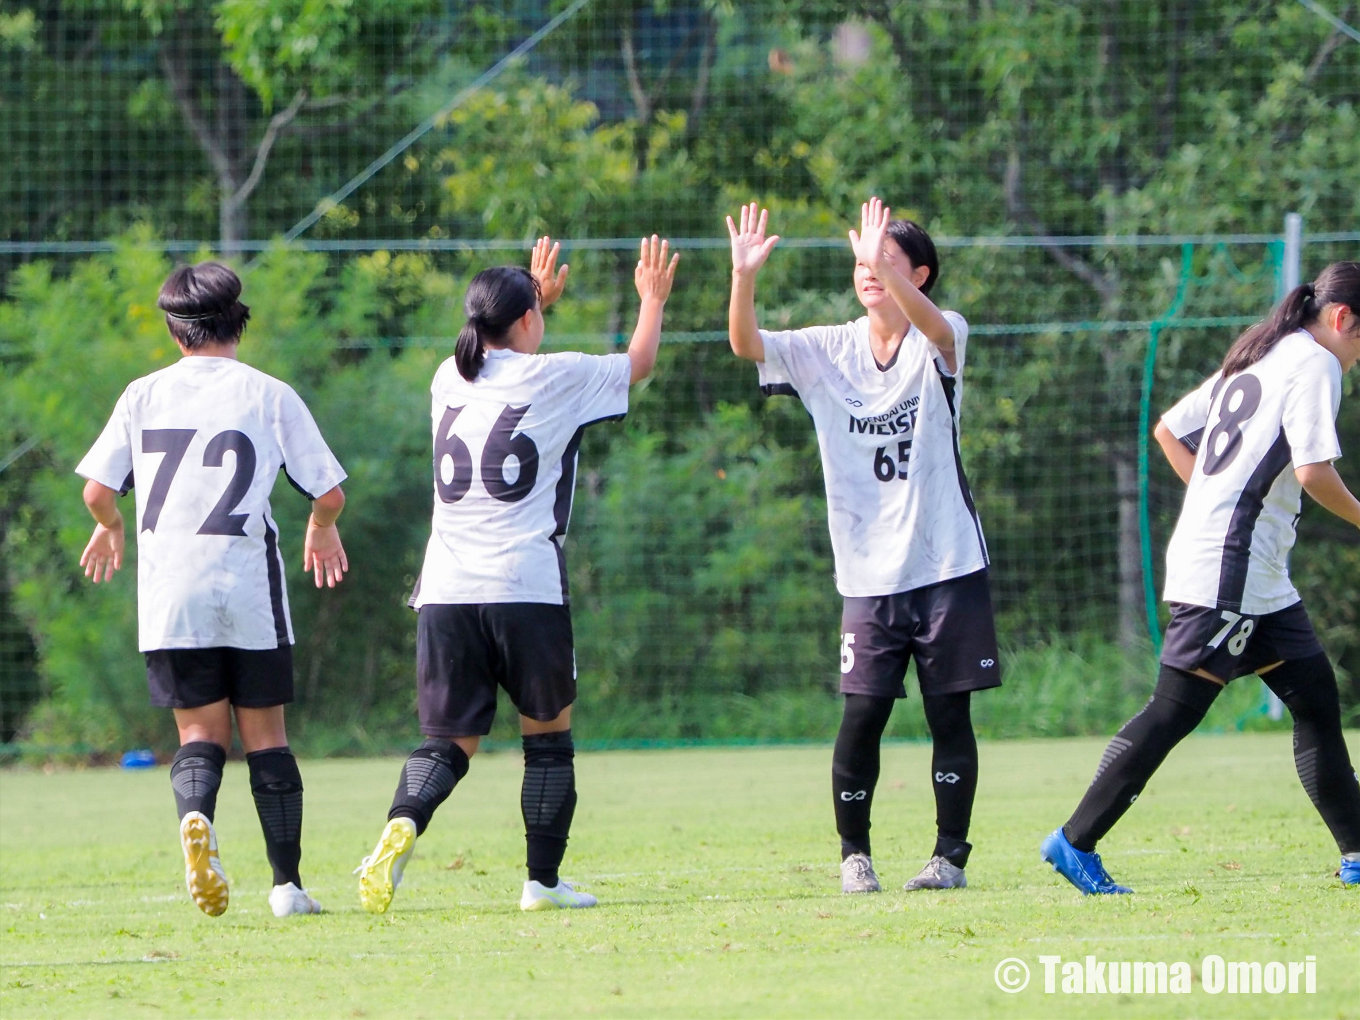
[
  {"x": 1339, "y": 283},
  {"x": 496, "y": 298}
]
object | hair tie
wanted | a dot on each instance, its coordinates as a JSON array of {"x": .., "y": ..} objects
[{"x": 193, "y": 318}]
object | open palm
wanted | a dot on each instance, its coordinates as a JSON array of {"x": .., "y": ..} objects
[
  {"x": 750, "y": 246},
  {"x": 873, "y": 229}
]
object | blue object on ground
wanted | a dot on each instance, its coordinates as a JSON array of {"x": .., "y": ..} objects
[{"x": 140, "y": 759}]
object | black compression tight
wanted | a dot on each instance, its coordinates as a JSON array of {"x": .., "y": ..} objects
[
  {"x": 854, "y": 768},
  {"x": 954, "y": 772}
]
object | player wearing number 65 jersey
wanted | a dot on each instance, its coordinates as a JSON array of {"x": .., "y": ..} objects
[
  {"x": 492, "y": 595},
  {"x": 204, "y": 441},
  {"x": 884, "y": 393},
  {"x": 1247, "y": 442}
]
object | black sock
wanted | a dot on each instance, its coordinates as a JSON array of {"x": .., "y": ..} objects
[
  {"x": 954, "y": 771},
  {"x": 548, "y": 800},
  {"x": 427, "y": 779},
  {"x": 854, "y": 768},
  {"x": 1177, "y": 706},
  {"x": 1308, "y": 688},
  {"x": 277, "y": 786},
  {"x": 196, "y": 775}
]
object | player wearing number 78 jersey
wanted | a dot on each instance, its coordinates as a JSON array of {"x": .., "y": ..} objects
[
  {"x": 1246, "y": 442},
  {"x": 492, "y": 594},
  {"x": 204, "y": 441}
]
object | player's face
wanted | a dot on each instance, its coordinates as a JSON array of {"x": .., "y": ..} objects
[{"x": 868, "y": 288}]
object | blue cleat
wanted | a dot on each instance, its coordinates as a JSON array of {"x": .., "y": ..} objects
[
  {"x": 1081, "y": 869},
  {"x": 1350, "y": 869}
]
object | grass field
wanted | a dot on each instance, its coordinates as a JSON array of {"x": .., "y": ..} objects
[{"x": 717, "y": 874}]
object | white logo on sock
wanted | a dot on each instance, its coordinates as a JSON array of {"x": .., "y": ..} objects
[
  {"x": 846, "y": 795},
  {"x": 946, "y": 777}
]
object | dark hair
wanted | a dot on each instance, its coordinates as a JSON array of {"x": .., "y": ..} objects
[
  {"x": 202, "y": 305},
  {"x": 917, "y": 246},
  {"x": 1339, "y": 282},
  {"x": 496, "y": 297}
]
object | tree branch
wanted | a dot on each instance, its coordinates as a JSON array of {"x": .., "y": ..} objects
[
  {"x": 700, "y": 93},
  {"x": 640, "y": 100},
  {"x": 178, "y": 76},
  {"x": 1329, "y": 44},
  {"x": 277, "y": 125}
]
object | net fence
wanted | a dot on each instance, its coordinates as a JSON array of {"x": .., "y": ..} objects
[{"x": 1108, "y": 219}]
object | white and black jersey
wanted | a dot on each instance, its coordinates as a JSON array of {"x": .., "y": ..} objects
[
  {"x": 505, "y": 449},
  {"x": 204, "y": 440},
  {"x": 1230, "y": 549},
  {"x": 899, "y": 508}
]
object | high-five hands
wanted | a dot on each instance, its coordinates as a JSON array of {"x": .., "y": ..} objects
[
  {"x": 654, "y": 275},
  {"x": 750, "y": 246},
  {"x": 543, "y": 266},
  {"x": 873, "y": 228}
]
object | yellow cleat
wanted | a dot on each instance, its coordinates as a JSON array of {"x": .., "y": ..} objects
[
  {"x": 380, "y": 873},
  {"x": 203, "y": 872}
]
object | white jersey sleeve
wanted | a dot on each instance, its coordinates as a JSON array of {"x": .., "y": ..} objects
[
  {"x": 795, "y": 360},
  {"x": 109, "y": 461},
  {"x": 600, "y": 383},
  {"x": 960, "y": 326},
  {"x": 1190, "y": 415},
  {"x": 1312, "y": 400},
  {"x": 307, "y": 460}
]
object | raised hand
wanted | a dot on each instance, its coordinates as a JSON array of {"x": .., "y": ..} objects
[
  {"x": 873, "y": 228},
  {"x": 750, "y": 246},
  {"x": 654, "y": 275},
  {"x": 543, "y": 263}
]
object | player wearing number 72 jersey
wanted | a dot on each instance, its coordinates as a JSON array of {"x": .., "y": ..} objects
[
  {"x": 1246, "y": 442},
  {"x": 492, "y": 595},
  {"x": 204, "y": 441}
]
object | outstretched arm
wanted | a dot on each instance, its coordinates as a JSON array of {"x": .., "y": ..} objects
[
  {"x": 868, "y": 248},
  {"x": 104, "y": 553},
  {"x": 653, "y": 276},
  {"x": 322, "y": 552},
  {"x": 750, "y": 249},
  {"x": 1182, "y": 460},
  {"x": 1324, "y": 484}
]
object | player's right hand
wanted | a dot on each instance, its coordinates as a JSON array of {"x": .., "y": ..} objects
[
  {"x": 654, "y": 275},
  {"x": 750, "y": 246},
  {"x": 104, "y": 554},
  {"x": 324, "y": 555}
]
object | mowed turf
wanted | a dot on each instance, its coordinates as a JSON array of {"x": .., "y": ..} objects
[{"x": 716, "y": 871}]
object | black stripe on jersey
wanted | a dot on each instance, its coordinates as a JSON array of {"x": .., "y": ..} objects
[
  {"x": 415, "y": 592},
  {"x": 1192, "y": 440},
  {"x": 566, "y": 490},
  {"x": 275, "y": 572},
  {"x": 948, "y": 383},
  {"x": 295, "y": 485},
  {"x": 779, "y": 389},
  {"x": 1232, "y": 574},
  {"x": 127, "y": 484}
]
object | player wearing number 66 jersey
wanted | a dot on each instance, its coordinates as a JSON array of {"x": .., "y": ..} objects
[
  {"x": 492, "y": 595},
  {"x": 1247, "y": 442},
  {"x": 204, "y": 441},
  {"x": 885, "y": 393}
]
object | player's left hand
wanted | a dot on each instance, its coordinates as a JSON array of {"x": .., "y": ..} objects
[
  {"x": 873, "y": 228},
  {"x": 324, "y": 555},
  {"x": 543, "y": 265},
  {"x": 104, "y": 554}
]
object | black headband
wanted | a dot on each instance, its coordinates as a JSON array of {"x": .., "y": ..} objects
[{"x": 193, "y": 318}]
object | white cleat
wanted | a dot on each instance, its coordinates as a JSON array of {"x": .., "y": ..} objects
[
  {"x": 857, "y": 875},
  {"x": 938, "y": 873},
  {"x": 380, "y": 873},
  {"x": 203, "y": 872},
  {"x": 538, "y": 896},
  {"x": 289, "y": 899}
]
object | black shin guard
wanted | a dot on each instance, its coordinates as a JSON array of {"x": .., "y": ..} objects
[
  {"x": 1308, "y": 688},
  {"x": 276, "y": 784},
  {"x": 954, "y": 770},
  {"x": 1177, "y": 706},
  {"x": 427, "y": 779},
  {"x": 854, "y": 768},
  {"x": 196, "y": 775},
  {"x": 548, "y": 800}
]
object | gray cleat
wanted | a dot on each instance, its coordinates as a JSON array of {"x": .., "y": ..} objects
[
  {"x": 857, "y": 875},
  {"x": 938, "y": 874}
]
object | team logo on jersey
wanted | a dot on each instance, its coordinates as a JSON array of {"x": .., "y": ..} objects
[{"x": 900, "y": 420}]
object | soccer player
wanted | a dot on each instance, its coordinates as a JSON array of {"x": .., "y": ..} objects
[
  {"x": 492, "y": 595},
  {"x": 205, "y": 439},
  {"x": 1246, "y": 442},
  {"x": 884, "y": 393}
]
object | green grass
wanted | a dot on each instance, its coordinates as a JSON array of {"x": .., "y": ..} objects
[{"x": 717, "y": 876}]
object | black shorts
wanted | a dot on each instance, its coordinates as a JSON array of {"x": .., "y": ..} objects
[
  {"x": 464, "y": 652},
  {"x": 948, "y": 627},
  {"x": 194, "y": 677},
  {"x": 1230, "y": 645}
]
